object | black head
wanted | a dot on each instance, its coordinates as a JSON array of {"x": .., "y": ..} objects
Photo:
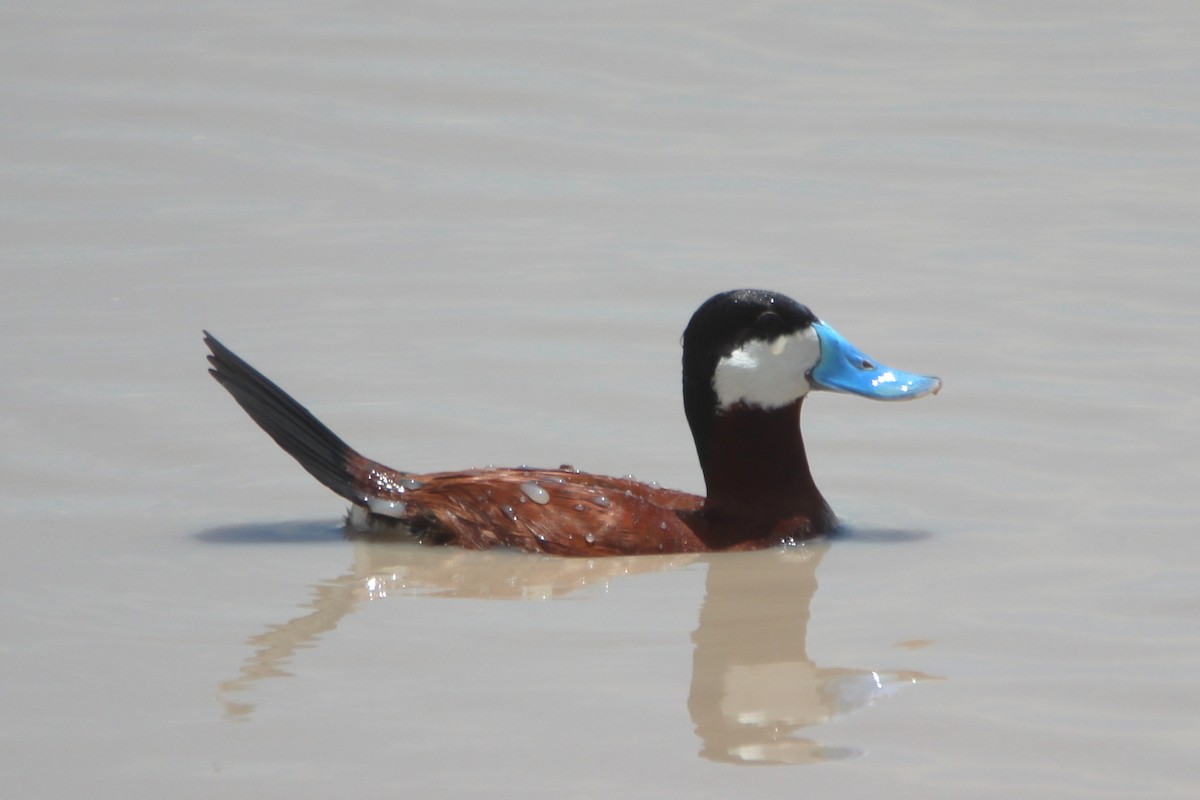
[{"x": 725, "y": 323}]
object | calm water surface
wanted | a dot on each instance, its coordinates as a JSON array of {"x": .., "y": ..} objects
[{"x": 472, "y": 233}]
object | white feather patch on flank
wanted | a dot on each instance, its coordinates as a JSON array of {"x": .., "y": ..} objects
[
  {"x": 767, "y": 374},
  {"x": 387, "y": 508}
]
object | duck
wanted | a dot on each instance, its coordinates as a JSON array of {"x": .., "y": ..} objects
[{"x": 750, "y": 358}]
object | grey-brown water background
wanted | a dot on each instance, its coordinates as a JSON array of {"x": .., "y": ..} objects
[{"x": 472, "y": 233}]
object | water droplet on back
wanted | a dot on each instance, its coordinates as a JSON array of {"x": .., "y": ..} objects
[{"x": 535, "y": 493}]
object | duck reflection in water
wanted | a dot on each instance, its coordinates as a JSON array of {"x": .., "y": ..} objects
[{"x": 753, "y": 684}]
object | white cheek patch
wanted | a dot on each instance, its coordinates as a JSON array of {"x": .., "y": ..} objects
[{"x": 767, "y": 374}]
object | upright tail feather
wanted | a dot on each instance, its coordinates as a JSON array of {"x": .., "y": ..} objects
[{"x": 326, "y": 457}]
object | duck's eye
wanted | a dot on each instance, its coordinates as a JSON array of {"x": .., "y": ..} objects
[
  {"x": 864, "y": 364},
  {"x": 769, "y": 323}
]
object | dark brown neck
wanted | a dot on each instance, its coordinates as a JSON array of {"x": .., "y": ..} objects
[{"x": 756, "y": 471}]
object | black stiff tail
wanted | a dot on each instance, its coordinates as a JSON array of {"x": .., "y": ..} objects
[{"x": 326, "y": 457}]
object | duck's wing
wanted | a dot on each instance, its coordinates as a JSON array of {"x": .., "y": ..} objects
[{"x": 547, "y": 511}]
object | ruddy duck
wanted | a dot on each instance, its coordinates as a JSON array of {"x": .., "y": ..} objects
[{"x": 750, "y": 357}]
